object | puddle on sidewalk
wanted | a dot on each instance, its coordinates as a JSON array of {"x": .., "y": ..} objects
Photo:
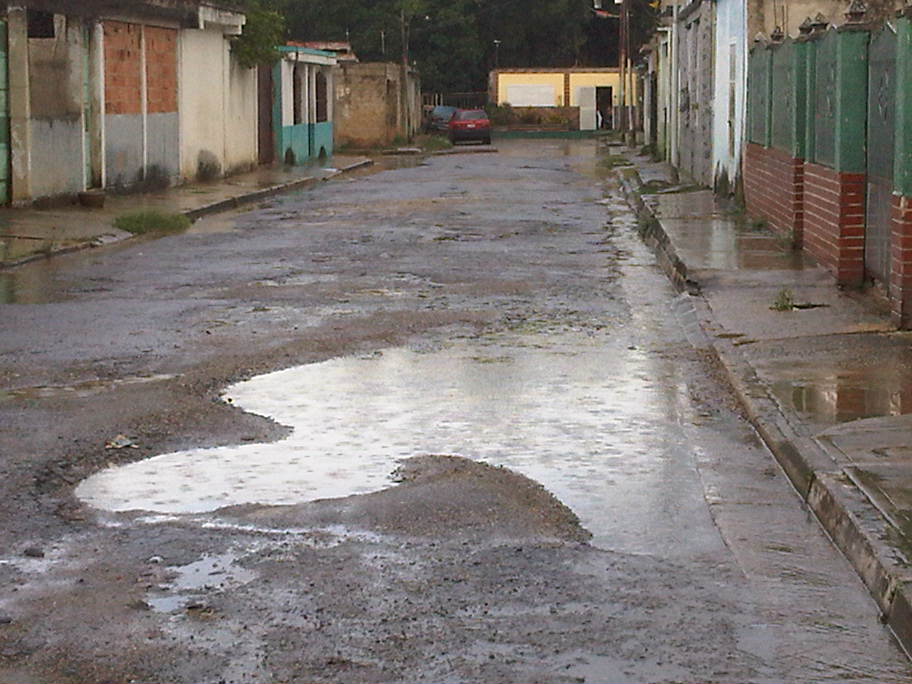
[
  {"x": 852, "y": 392},
  {"x": 597, "y": 425}
]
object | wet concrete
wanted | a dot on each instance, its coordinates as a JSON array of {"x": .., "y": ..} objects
[
  {"x": 824, "y": 377},
  {"x": 491, "y": 307}
]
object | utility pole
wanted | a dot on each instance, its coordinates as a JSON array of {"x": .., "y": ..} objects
[
  {"x": 622, "y": 64},
  {"x": 403, "y": 30}
]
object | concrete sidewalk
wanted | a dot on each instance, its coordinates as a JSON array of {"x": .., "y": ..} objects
[
  {"x": 30, "y": 233},
  {"x": 824, "y": 377}
]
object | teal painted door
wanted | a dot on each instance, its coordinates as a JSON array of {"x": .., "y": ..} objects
[{"x": 4, "y": 118}]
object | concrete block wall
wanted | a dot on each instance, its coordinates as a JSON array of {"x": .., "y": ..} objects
[{"x": 371, "y": 106}]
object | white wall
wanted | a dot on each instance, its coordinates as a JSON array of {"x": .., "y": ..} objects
[
  {"x": 218, "y": 105},
  {"x": 730, "y": 65},
  {"x": 241, "y": 124}
]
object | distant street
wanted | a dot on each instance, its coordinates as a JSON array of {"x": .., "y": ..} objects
[{"x": 198, "y": 434}]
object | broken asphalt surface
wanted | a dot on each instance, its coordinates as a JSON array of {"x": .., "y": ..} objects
[{"x": 676, "y": 550}]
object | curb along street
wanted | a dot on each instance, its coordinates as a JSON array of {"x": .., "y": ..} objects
[
  {"x": 221, "y": 205},
  {"x": 850, "y": 519},
  {"x": 250, "y": 197}
]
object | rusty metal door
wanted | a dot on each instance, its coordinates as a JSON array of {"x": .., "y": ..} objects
[
  {"x": 265, "y": 109},
  {"x": 880, "y": 142}
]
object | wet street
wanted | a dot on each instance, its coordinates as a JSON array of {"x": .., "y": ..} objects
[{"x": 440, "y": 421}]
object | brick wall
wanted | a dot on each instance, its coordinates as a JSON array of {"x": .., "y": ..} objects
[
  {"x": 774, "y": 189},
  {"x": 123, "y": 64},
  {"x": 834, "y": 221},
  {"x": 901, "y": 261},
  {"x": 161, "y": 69}
]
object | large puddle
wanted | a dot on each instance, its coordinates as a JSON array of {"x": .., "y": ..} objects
[{"x": 582, "y": 416}]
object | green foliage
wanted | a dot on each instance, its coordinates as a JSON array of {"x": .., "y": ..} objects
[
  {"x": 785, "y": 300},
  {"x": 433, "y": 143},
  {"x": 151, "y": 220},
  {"x": 264, "y": 30},
  {"x": 452, "y": 41},
  {"x": 501, "y": 115}
]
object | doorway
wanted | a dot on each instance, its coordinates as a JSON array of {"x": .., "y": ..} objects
[{"x": 605, "y": 106}]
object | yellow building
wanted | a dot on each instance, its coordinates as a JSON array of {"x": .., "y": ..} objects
[{"x": 591, "y": 89}]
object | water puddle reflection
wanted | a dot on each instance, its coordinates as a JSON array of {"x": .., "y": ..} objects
[
  {"x": 579, "y": 416},
  {"x": 850, "y": 393},
  {"x": 210, "y": 573}
]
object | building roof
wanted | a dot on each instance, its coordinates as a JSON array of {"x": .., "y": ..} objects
[
  {"x": 341, "y": 49},
  {"x": 190, "y": 13}
]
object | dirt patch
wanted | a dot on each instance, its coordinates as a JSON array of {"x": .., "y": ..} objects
[{"x": 439, "y": 496}]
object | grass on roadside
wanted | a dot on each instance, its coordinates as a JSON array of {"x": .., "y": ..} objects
[
  {"x": 151, "y": 221},
  {"x": 432, "y": 143}
]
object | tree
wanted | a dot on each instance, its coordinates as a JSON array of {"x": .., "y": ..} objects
[
  {"x": 264, "y": 30},
  {"x": 452, "y": 41}
]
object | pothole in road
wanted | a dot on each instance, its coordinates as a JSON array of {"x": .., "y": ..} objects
[
  {"x": 208, "y": 574},
  {"x": 587, "y": 419}
]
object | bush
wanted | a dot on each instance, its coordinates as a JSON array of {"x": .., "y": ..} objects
[{"x": 501, "y": 115}]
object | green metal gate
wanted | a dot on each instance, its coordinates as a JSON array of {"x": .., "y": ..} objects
[{"x": 880, "y": 152}]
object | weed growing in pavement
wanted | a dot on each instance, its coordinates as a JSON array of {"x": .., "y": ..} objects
[
  {"x": 151, "y": 221},
  {"x": 785, "y": 300}
]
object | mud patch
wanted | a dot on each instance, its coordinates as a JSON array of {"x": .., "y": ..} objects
[{"x": 438, "y": 496}]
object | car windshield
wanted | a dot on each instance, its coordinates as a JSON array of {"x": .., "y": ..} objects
[
  {"x": 443, "y": 112},
  {"x": 468, "y": 114}
]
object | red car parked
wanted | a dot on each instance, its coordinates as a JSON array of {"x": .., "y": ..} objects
[{"x": 470, "y": 124}]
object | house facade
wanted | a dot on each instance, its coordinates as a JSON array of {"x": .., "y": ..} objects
[
  {"x": 595, "y": 91},
  {"x": 125, "y": 95},
  {"x": 302, "y": 86},
  {"x": 806, "y": 120}
]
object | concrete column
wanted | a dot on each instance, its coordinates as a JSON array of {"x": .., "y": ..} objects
[
  {"x": 20, "y": 106},
  {"x": 902, "y": 165},
  {"x": 96, "y": 93},
  {"x": 851, "y": 99},
  {"x": 312, "y": 94},
  {"x": 144, "y": 99},
  {"x": 330, "y": 89},
  {"x": 799, "y": 113}
]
